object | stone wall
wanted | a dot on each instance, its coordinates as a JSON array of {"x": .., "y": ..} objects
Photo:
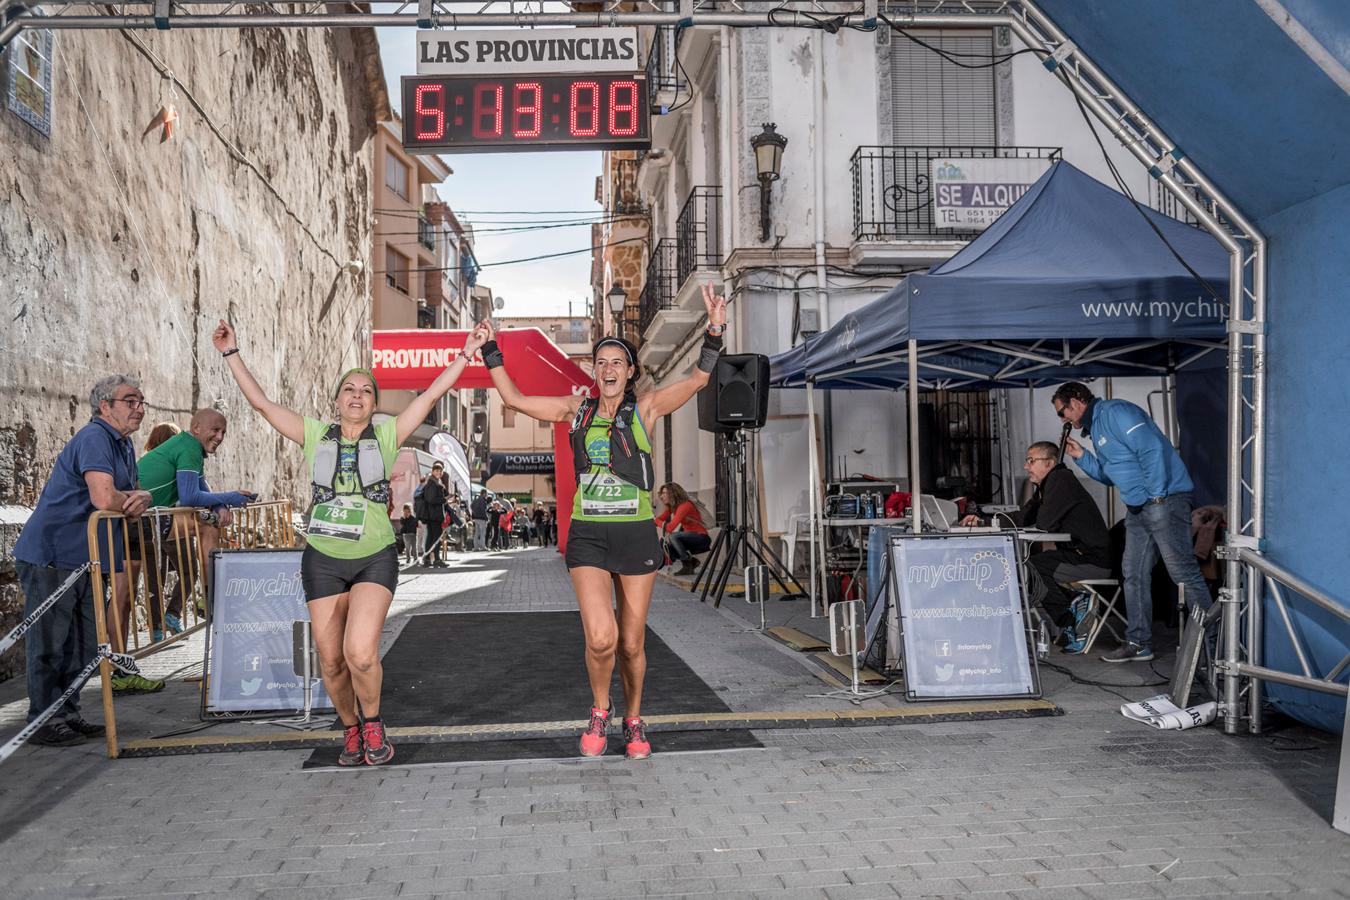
[{"x": 120, "y": 253}]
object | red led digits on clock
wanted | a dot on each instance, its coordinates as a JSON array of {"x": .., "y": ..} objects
[
  {"x": 527, "y": 105},
  {"x": 424, "y": 112},
  {"x": 487, "y": 110},
  {"x": 623, "y": 102},
  {"x": 585, "y": 119}
]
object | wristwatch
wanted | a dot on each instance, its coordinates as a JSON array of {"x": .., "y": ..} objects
[{"x": 1157, "y": 501}]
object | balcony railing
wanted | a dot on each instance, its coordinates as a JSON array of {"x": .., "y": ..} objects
[
  {"x": 658, "y": 291},
  {"x": 698, "y": 233},
  {"x": 426, "y": 233},
  {"x": 892, "y": 193}
]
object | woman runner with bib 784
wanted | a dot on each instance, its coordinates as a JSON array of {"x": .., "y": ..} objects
[
  {"x": 350, "y": 566},
  {"x": 613, "y": 550}
]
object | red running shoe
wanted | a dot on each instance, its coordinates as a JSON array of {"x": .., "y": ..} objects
[
  {"x": 353, "y": 748},
  {"x": 595, "y": 738},
  {"x": 378, "y": 749},
  {"x": 635, "y": 739}
]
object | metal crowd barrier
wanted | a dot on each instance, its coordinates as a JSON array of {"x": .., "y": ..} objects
[{"x": 143, "y": 568}]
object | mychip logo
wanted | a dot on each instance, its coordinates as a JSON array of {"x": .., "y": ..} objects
[{"x": 987, "y": 571}]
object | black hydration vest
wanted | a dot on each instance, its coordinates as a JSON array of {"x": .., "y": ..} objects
[
  {"x": 370, "y": 474},
  {"x": 628, "y": 458}
]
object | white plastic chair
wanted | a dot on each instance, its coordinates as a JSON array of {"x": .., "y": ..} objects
[{"x": 798, "y": 529}]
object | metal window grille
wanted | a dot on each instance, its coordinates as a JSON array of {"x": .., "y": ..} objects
[{"x": 28, "y": 81}]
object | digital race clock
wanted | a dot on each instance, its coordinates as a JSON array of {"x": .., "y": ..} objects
[{"x": 469, "y": 113}]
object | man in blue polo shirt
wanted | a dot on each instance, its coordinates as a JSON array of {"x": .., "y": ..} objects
[
  {"x": 95, "y": 470},
  {"x": 1132, "y": 454}
]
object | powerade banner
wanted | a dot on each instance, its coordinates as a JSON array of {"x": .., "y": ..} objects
[
  {"x": 520, "y": 464},
  {"x": 256, "y": 599},
  {"x": 962, "y": 623}
]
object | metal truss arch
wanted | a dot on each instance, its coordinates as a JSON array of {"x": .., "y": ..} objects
[{"x": 1165, "y": 160}]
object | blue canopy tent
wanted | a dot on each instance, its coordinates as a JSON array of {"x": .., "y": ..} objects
[{"x": 1071, "y": 282}]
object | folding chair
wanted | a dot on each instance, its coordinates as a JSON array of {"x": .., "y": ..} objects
[{"x": 1105, "y": 594}]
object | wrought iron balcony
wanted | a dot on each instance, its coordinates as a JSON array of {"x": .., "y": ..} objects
[
  {"x": 660, "y": 286},
  {"x": 892, "y": 190},
  {"x": 664, "y": 81},
  {"x": 698, "y": 233},
  {"x": 426, "y": 233}
]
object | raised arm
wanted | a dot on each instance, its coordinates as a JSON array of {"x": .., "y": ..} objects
[
  {"x": 417, "y": 411},
  {"x": 544, "y": 409},
  {"x": 287, "y": 422},
  {"x": 666, "y": 400}
]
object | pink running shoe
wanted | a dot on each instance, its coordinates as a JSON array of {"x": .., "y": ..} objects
[
  {"x": 595, "y": 738},
  {"x": 378, "y": 749},
  {"x": 635, "y": 739},
  {"x": 353, "y": 747}
]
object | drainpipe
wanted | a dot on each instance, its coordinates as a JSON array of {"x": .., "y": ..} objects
[{"x": 818, "y": 217}]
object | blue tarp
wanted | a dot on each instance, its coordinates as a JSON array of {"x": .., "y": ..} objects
[
  {"x": 1071, "y": 282},
  {"x": 1265, "y": 120}
]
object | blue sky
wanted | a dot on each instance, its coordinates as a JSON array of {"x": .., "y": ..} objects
[{"x": 485, "y": 183}]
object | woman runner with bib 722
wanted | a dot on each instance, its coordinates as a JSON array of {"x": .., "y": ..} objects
[
  {"x": 613, "y": 550},
  {"x": 350, "y": 566}
]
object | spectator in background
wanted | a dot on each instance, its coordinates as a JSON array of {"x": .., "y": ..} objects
[
  {"x": 408, "y": 532},
  {"x": 682, "y": 529},
  {"x": 540, "y": 523},
  {"x": 173, "y": 473},
  {"x": 505, "y": 522},
  {"x": 159, "y": 434},
  {"x": 1133, "y": 454},
  {"x": 494, "y": 525},
  {"x": 553, "y": 525},
  {"x": 96, "y": 470},
  {"x": 478, "y": 510},
  {"x": 434, "y": 496}
]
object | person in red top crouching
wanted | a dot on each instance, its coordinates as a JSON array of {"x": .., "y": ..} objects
[{"x": 681, "y": 527}]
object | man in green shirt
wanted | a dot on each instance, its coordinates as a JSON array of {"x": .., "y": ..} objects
[{"x": 173, "y": 474}]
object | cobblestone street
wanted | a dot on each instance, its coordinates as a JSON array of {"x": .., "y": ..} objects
[{"x": 1084, "y": 805}]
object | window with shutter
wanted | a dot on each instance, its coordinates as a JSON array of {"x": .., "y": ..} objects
[{"x": 936, "y": 103}]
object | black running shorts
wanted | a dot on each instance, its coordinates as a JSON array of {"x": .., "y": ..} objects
[
  {"x": 623, "y": 548},
  {"x": 324, "y": 576}
]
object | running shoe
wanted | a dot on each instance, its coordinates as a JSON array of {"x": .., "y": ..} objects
[
  {"x": 78, "y": 725},
  {"x": 135, "y": 684},
  {"x": 56, "y": 734},
  {"x": 156, "y": 635},
  {"x": 1128, "y": 652},
  {"x": 378, "y": 749},
  {"x": 353, "y": 747},
  {"x": 636, "y": 745},
  {"x": 173, "y": 624},
  {"x": 595, "y": 738},
  {"x": 1072, "y": 642}
]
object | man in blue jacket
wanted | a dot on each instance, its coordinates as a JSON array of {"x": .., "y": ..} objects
[{"x": 1131, "y": 453}]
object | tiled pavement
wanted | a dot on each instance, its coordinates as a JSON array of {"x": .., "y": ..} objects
[{"x": 1086, "y": 805}]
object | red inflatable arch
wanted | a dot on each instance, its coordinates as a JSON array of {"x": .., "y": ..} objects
[{"x": 411, "y": 360}]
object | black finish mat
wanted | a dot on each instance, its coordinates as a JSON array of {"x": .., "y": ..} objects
[{"x": 505, "y": 668}]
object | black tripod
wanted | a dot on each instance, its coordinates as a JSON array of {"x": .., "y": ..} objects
[{"x": 737, "y": 538}]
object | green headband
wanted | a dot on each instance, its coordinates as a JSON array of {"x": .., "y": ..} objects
[{"x": 358, "y": 370}]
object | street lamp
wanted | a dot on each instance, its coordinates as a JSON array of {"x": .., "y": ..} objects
[
  {"x": 768, "y": 146},
  {"x": 618, "y": 299}
]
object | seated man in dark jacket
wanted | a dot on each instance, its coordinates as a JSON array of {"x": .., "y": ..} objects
[{"x": 1061, "y": 503}]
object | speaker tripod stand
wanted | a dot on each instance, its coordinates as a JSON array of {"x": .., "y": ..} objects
[{"x": 738, "y": 538}]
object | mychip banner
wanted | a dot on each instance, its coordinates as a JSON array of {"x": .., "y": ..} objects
[
  {"x": 256, "y": 599},
  {"x": 963, "y": 627}
]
